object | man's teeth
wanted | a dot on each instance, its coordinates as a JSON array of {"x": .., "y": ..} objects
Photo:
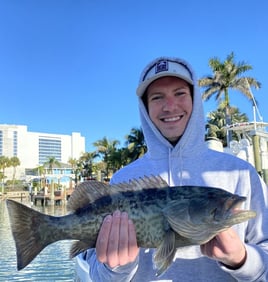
[{"x": 172, "y": 119}]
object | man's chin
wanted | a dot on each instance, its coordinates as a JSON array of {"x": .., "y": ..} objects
[{"x": 173, "y": 140}]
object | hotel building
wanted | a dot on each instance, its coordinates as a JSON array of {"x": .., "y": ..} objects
[{"x": 34, "y": 148}]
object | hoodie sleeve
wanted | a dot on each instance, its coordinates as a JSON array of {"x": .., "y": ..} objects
[
  {"x": 254, "y": 269},
  {"x": 256, "y": 238},
  {"x": 100, "y": 272}
]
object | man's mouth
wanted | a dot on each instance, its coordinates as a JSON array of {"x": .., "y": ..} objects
[{"x": 172, "y": 119}]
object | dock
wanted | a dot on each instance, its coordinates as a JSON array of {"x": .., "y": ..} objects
[
  {"x": 57, "y": 198},
  {"x": 22, "y": 195}
]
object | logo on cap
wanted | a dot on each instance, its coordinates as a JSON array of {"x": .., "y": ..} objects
[{"x": 161, "y": 66}]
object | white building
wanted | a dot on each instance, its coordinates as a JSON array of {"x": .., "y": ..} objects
[
  {"x": 252, "y": 147},
  {"x": 34, "y": 148}
]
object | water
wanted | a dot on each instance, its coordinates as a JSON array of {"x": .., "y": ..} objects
[{"x": 52, "y": 264}]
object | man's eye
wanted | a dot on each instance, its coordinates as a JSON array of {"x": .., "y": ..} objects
[
  {"x": 154, "y": 98},
  {"x": 181, "y": 93}
]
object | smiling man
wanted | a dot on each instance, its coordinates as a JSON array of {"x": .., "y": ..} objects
[{"x": 173, "y": 124}]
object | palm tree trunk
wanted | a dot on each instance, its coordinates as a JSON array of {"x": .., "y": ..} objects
[
  {"x": 228, "y": 121},
  {"x": 227, "y": 117}
]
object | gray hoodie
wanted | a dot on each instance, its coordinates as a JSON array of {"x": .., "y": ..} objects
[{"x": 190, "y": 162}]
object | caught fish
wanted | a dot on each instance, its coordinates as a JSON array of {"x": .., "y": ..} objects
[{"x": 165, "y": 218}]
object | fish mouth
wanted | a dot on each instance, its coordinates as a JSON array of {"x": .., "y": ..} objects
[
  {"x": 234, "y": 211},
  {"x": 233, "y": 204}
]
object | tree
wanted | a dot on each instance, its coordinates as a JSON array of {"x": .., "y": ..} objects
[
  {"x": 106, "y": 148},
  {"x": 4, "y": 163},
  {"x": 86, "y": 162},
  {"x": 227, "y": 75},
  {"x": 136, "y": 144},
  {"x": 14, "y": 162},
  {"x": 41, "y": 172},
  {"x": 73, "y": 163},
  {"x": 118, "y": 158},
  {"x": 51, "y": 163},
  {"x": 216, "y": 123}
]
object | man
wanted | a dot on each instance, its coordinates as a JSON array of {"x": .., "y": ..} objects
[{"x": 173, "y": 124}]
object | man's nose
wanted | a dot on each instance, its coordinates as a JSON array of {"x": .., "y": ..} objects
[{"x": 169, "y": 104}]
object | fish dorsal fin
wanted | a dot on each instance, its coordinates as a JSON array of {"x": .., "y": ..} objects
[
  {"x": 85, "y": 193},
  {"x": 89, "y": 191},
  {"x": 146, "y": 182}
]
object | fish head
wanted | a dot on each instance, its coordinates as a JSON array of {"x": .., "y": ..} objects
[
  {"x": 205, "y": 213},
  {"x": 218, "y": 208},
  {"x": 214, "y": 213}
]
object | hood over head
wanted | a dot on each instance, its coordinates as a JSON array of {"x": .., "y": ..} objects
[{"x": 192, "y": 140}]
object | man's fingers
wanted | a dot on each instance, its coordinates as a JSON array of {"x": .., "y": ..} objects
[
  {"x": 116, "y": 243},
  {"x": 103, "y": 238},
  {"x": 113, "y": 242},
  {"x": 123, "y": 239}
]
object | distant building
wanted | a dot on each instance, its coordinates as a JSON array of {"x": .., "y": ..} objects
[
  {"x": 34, "y": 148},
  {"x": 252, "y": 145}
]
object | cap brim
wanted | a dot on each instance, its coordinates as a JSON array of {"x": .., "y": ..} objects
[{"x": 143, "y": 86}]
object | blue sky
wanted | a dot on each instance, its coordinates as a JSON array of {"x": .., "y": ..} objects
[{"x": 73, "y": 65}]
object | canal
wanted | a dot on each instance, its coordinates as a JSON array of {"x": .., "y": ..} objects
[{"x": 52, "y": 264}]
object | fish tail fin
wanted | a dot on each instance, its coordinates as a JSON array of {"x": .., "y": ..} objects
[{"x": 26, "y": 226}]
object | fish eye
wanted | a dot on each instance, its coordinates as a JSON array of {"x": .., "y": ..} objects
[{"x": 213, "y": 212}]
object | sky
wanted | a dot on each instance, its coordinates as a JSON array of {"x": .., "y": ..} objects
[{"x": 73, "y": 65}]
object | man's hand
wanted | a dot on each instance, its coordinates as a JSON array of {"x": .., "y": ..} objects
[
  {"x": 227, "y": 248},
  {"x": 116, "y": 243}
]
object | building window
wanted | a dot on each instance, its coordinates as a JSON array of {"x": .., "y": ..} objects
[
  {"x": 15, "y": 143},
  {"x": 49, "y": 147}
]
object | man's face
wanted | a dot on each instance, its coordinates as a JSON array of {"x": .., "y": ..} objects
[{"x": 170, "y": 106}]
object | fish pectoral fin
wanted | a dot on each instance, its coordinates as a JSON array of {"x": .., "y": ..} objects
[
  {"x": 79, "y": 247},
  {"x": 177, "y": 214},
  {"x": 165, "y": 253},
  {"x": 179, "y": 220}
]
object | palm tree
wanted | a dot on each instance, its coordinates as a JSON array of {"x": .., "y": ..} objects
[
  {"x": 73, "y": 163},
  {"x": 216, "y": 123},
  {"x": 118, "y": 158},
  {"x": 105, "y": 148},
  {"x": 51, "y": 163},
  {"x": 227, "y": 75},
  {"x": 40, "y": 171},
  {"x": 4, "y": 163},
  {"x": 86, "y": 163},
  {"x": 14, "y": 162},
  {"x": 136, "y": 144}
]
